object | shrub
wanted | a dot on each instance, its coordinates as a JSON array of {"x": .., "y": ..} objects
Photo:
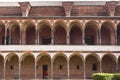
[
  {"x": 116, "y": 76},
  {"x": 106, "y": 76}
]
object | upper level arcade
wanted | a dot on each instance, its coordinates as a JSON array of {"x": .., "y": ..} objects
[{"x": 60, "y": 31}]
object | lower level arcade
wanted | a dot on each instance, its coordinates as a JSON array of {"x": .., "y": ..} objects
[{"x": 58, "y": 65}]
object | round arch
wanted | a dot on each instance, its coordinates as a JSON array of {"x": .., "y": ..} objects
[
  {"x": 2, "y": 33},
  {"x": 44, "y": 65},
  {"x": 108, "y": 63},
  {"x": 13, "y": 32},
  {"x": 118, "y": 33},
  {"x": 29, "y": 28},
  {"x": 60, "y": 33},
  {"x": 75, "y": 33},
  {"x": 60, "y": 66},
  {"x": 91, "y": 33},
  {"x": 119, "y": 63},
  {"x": 76, "y": 66},
  {"x": 27, "y": 65},
  {"x": 44, "y": 29},
  {"x": 12, "y": 66},
  {"x": 1, "y": 66},
  {"x": 107, "y": 33},
  {"x": 92, "y": 64}
]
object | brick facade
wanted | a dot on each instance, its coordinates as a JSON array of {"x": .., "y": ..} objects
[{"x": 67, "y": 40}]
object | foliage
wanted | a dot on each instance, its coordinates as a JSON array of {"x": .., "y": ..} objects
[{"x": 106, "y": 76}]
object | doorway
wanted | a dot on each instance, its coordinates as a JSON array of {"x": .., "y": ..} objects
[{"x": 45, "y": 71}]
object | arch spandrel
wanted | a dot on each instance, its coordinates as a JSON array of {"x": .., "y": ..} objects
[
  {"x": 59, "y": 23},
  {"x": 13, "y": 24},
  {"x": 43, "y": 23},
  {"x": 59, "y": 54},
  {"x": 2, "y": 25},
  {"x": 10, "y": 55},
  {"x": 41, "y": 55},
  {"x": 109, "y": 24},
  {"x": 76, "y": 23},
  {"x": 77, "y": 54},
  {"x": 27, "y": 24},
  {"x": 94, "y": 55},
  {"x": 114, "y": 58},
  {"x": 25, "y": 55},
  {"x": 92, "y": 23}
]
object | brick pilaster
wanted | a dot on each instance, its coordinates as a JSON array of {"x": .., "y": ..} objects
[
  {"x": 25, "y": 8},
  {"x": 110, "y": 7},
  {"x": 67, "y": 7}
]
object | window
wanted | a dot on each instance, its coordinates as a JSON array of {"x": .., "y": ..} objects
[
  {"x": 89, "y": 40},
  {"x": 7, "y": 40},
  {"x": 94, "y": 66},
  {"x": 11, "y": 67},
  {"x": 46, "y": 41},
  {"x": 60, "y": 67},
  {"x": 78, "y": 67}
]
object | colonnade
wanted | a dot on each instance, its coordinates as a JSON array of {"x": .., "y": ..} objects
[
  {"x": 59, "y": 65},
  {"x": 60, "y": 32}
]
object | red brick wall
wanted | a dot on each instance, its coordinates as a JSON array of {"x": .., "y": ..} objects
[
  {"x": 47, "y": 11},
  {"x": 10, "y": 11},
  {"x": 88, "y": 11},
  {"x": 117, "y": 11}
]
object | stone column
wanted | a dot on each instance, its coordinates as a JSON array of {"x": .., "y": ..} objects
[
  {"x": 68, "y": 38},
  {"x": 99, "y": 36},
  {"x": 116, "y": 37},
  {"x": 117, "y": 66},
  {"x": 35, "y": 69},
  {"x": 101, "y": 66},
  {"x": 4, "y": 70},
  {"x": 83, "y": 36},
  {"x": 84, "y": 69},
  {"x": 19, "y": 69},
  {"x": 10, "y": 36},
  {"x": 23, "y": 37},
  {"x": 5, "y": 39},
  {"x": 51, "y": 69},
  {"x": 52, "y": 36},
  {"x": 68, "y": 69},
  {"x": 36, "y": 37},
  {"x": 20, "y": 37}
]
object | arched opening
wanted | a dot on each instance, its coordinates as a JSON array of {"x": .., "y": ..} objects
[
  {"x": 108, "y": 64},
  {"x": 91, "y": 33},
  {"x": 60, "y": 67},
  {"x": 59, "y": 34},
  {"x": 27, "y": 66},
  {"x": 75, "y": 34},
  {"x": 118, "y": 34},
  {"x": 12, "y": 69},
  {"x": 1, "y": 66},
  {"x": 30, "y": 34},
  {"x": 44, "y": 33},
  {"x": 15, "y": 34},
  {"x": 2, "y": 34},
  {"x": 44, "y": 67},
  {"x": 119, "y": 64},
  {"x": 76, "y": 67},
  {"x": 92, "y": 65},
  {"x": 107, "y": 34}
]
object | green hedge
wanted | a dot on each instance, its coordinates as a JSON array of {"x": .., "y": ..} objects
[
  {"x": 106, "y": 76},
  {"x": 116, "y": 76}
]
